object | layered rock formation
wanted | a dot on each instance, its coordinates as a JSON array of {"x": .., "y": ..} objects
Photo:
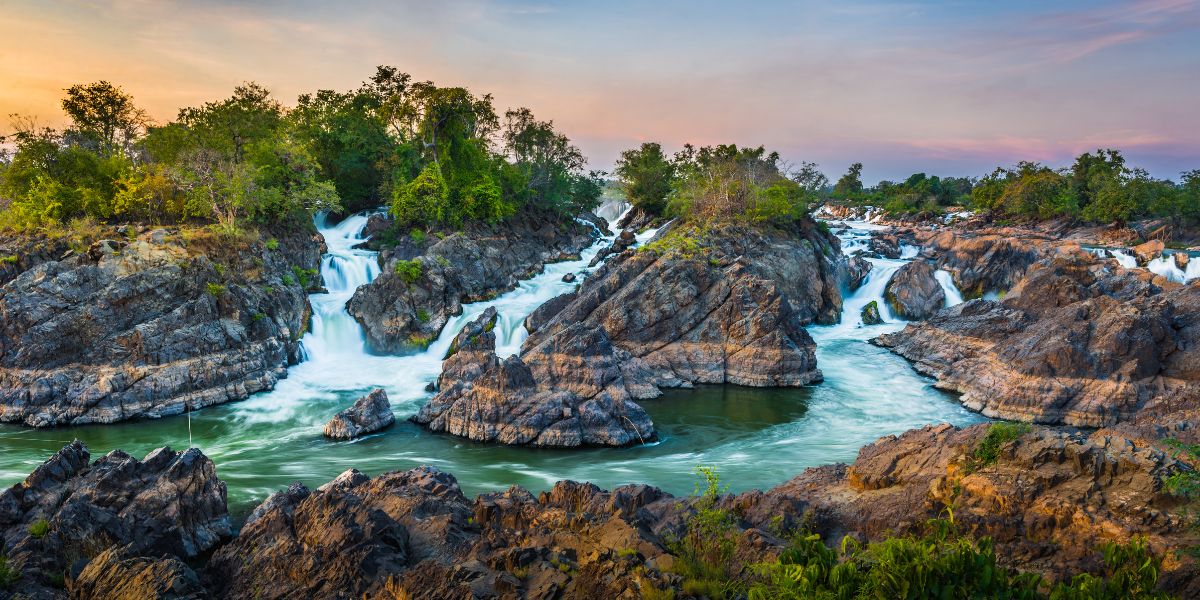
[
  {"x": 156, "y": 325},
  {"x": 399, "y": 311},
  {"x": 913, "y": 292},
  {"x": 659, "y": 318},
  {"x": 368, "y": 414},
  {"x": 981, "y": 263},
  {"x": 1078, "y": 341},
  {"x": 69, "y": 512}
]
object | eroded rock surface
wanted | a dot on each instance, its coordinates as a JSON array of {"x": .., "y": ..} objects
[
  {"x": 398, "y": 311},
  {"x": 1079, "y": 341},
  {"x": 368, "y": 414},
  {"x": 151, "y": 327},
  {"x": 653, "y": 319},
  {"x": 913, "y": 292},
  {"x": 68, "y": 512}
]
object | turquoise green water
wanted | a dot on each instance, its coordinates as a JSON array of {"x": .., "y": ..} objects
[{"x": 757, "y": 438}]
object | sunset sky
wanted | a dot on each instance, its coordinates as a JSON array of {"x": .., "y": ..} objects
[{"x": 952, "y": 88}]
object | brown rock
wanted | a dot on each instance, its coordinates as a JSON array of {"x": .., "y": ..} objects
[
  {"x": 913, "y": 292},
  {"x": 1148, "y": 251},
  {"x": 369, "y": 414}
]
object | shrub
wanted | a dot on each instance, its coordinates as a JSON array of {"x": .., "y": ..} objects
[
  {"x": 272, "y": 244},
  {"x": 707, "y": 545},
  {"x": 8, "y": 573},
  {"x": 417, "y": 236},
  {"x": 305, "y": 276},
  {"x": 988, "y": 449},
  {"x": 258, "y": 317},
  {"x": 39, "y": 528},
  {"x": 423, "y": 316},
  {"x": 10, "y": 259},
  {"x": 215, "y": 290},
  {"x": 409, "y": 271}
]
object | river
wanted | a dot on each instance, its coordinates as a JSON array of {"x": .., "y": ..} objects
[{"x": 757, "y": 438}]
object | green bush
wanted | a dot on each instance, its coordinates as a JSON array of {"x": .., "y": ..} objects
[
  {"x": 39, "y": 528},
  {"x": 272, "y": 244},
  {"x": 10, "y": 259},
  {"x": 987, "y": 451},
  {"x": 417, "y": 236},
  {"x": 409, "y": 271},
  {"x": 305, "y": 276},
  {"x": 9, "y": 574},
  {"x": 423, "y": 315},
  {"x": 215, "y": 290}
]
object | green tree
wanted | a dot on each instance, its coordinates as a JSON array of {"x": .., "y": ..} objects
[
  {"x": 647, "y": 177},
  {"x": 350, "y": 140},
  {"x": 850, "y": 184},
  {"x": 230, "y": 125},
  {"x": 1093, "y": 172},
  {"x": 104, "y": 113},
  {"x": 422, "y": 201}
]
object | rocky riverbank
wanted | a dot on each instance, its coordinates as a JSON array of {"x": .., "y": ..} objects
[
  {"x": 149, "y": 322},
  {"x": 141, "y": 528},
  {"x": 726, "y": 305},
  {"x": 426, "y": 278}
]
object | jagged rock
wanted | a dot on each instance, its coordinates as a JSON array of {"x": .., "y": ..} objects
[
  {"x": 1047, "y": 501},
  {"x": 474, "y": 264},
  {"x": 167, "y": 504},
  {"x": 369, "y": 414},
  {"x": 1148, "y": 251},
  {"x": 870, "y": 314},
  {"x": 886, "y": 245},
  {"x": 1077, "y": 342},
  {"x": 857, "y": 271},
  {"x": 625, "y": 240},
  {"x": 646, "y": 323},
  {"x": 149, "y": 328},
  {"x": 115, "y": 573},
  {"x": 913, "y": 292},
  {"x": 542, "y": 314},
  {"x": 981, "y": 263}
]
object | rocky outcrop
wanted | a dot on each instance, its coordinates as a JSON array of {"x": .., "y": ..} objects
[
  {"x": 625, "y": 240},
  {"x": 369, "y": 414},
  {"x": 117, "y": 573},
  {"x": 1079, "y": 341},
  {"x": 655, "y": 319},
  {"x": 886, "y": 245},
  {"x": 68, "y": 512},
  {"x": 870, "y": 314},
  {"x": 542, "y": 314},
  {"x": 167, "y": 322},
  {"x": 913, "y": 292},
  {"x": 399, "y": 310},
  {"x": 856, "y": 272},
  {"x": 1147, "y": 251},
  {"x": 981, "y": 263},
  {"x": 1047, "y": 500}
]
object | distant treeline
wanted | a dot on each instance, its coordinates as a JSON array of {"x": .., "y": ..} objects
[
  {"x": 1099, "y": 187},
  {"x": 438, "y": 156}
]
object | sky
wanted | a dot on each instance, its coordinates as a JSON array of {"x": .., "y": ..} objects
[{"x": 942, "y": 87}]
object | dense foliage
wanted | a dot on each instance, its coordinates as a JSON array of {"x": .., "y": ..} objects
[
  {"x": 715, "y": 183},
  {"x": 436, "y": 155},
  {"x": 1099, "y": 188},
  {"x": 941, "y": 563}
]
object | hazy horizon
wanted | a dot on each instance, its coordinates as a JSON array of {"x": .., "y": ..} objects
[{"x": 946, "y": 88}]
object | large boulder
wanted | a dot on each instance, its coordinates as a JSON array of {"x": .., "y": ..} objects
[
  {"x": 67, "y": 512},
  {"x": 1077, "y": 342},
  {"x": 368, "y": 414},
  {"x": 654, "y": 319},
  {"x": 150, "y": 327},
  {"x": 913, "y": 292},
  {"x": 856, "y": 272},
  {"x": 886, "y": 245},
  {"x": 399, "y": 311},
  {"x": 117, "y": 573},
  {"x": 1148, "y": 251}
]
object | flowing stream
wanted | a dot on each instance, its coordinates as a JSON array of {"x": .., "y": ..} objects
[{"x": 755, "y": 437}]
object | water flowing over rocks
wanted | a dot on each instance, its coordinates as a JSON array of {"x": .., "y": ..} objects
[
  {"x": 369, "y": 414},
  {"x": 150, "y": 327},
  {"x": 68, "y": 511},
  {"x": 648, "y": 321},
  {"x": 913, "y": 292},
  {"x": 399, "y": 311},
  {"x": 981, "y": 263},
  {"x": 856, "y": 272},
  {"x": 1079, "y": 341}
]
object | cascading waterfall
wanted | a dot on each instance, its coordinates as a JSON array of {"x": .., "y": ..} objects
[
  {"x": 1165, "y": 266},
  {"x": 953, "y": 296},
  {"x": 343, "y": 270}
]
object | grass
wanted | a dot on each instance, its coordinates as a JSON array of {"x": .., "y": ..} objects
[
  {"x": 417, "y": 236},
  {"x": 10, "y": 259},
  {"x": 272, "y": 244},
  {"x": 39, "y": 528},
  {"x": 304, "y": 276},
  {"x": 8, "y": 573},
  {"x": 215, "y": 290},
  {"x": 987, "y": 451},
  {"x": 409, "y": 271},
  {"x": 423, "y": 315}
]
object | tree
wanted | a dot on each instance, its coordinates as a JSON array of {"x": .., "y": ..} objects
[
  {"x": 850, "y": 184},
  {"x": 229, "y": 125},
  {"x": 105, "y": 114},
  {"x": 350, "y": 141},
  {"x": 553, "y": 167},
  {"x": 810, "y": 177},
  {"x": 1093, "y": 172},
  {"x": 646, "y": 177}
]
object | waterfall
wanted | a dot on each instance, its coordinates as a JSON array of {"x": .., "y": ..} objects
[
  {"x": 1165, "y": 266},
  {"x": 953, "y": 296},
  {"x": 337, "y": 361}
]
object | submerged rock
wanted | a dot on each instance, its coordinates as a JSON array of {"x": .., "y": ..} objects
[
  {"x": 913, "y": 292},
  {"x": 369, "y": 414}
]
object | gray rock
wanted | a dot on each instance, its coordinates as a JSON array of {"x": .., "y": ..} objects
[
  {"x": 369, "y": 414},
  {"x": 913, "y": 292}
]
